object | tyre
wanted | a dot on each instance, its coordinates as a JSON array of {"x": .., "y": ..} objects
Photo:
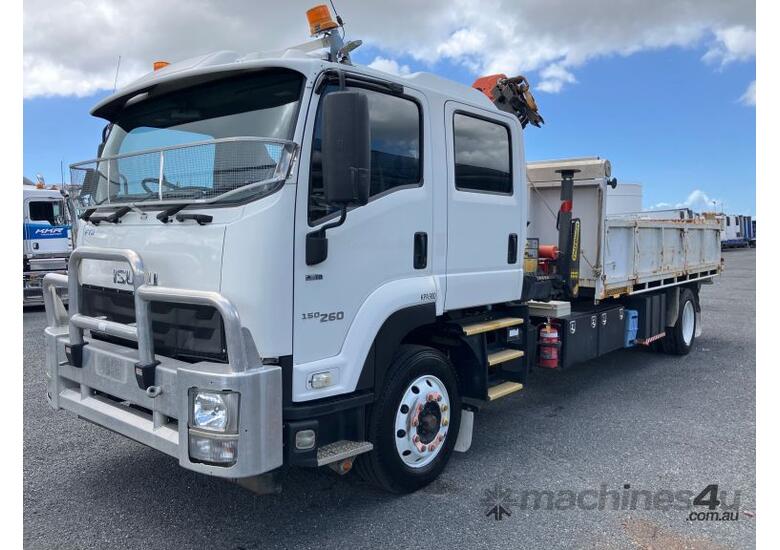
[
  {"x": 680, "y": 338},
  {"x": 414, "y": 422}
]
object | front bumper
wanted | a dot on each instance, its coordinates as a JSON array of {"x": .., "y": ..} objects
[
  {"x": 101, "y": 386},
  {"x": 32, "y": 282}
]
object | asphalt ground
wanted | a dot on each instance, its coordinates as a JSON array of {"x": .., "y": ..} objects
[{"x": 654, "y": 422}]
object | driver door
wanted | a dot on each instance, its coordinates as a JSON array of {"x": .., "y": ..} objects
[{"x": 376, "y": 250}]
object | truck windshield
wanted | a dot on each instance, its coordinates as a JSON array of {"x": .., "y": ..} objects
[{"x": 250, "y": 117}]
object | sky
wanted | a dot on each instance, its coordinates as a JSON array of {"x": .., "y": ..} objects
[{"x": 665, "y": 90}]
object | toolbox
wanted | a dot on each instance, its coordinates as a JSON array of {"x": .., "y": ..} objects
[
  {"x": 586, "y": 335},
  {"x": 579, "y": 337},
  {"x": 612, "y": 329}
]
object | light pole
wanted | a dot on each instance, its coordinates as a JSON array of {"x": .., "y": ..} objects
[{"x": 715, "y": 205}]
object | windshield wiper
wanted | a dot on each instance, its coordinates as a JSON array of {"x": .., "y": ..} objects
[
  {"x": 202, "y": 219},
  {"x": 114, "y": 217},
  {"x": 165, "y": 215},
  {"x": 87, "y": 213}
]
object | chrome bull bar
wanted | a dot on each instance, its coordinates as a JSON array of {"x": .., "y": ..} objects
[
  {"x": 240, "y": 352},
  {"x": 99, "y": 389},
  {"x": 56, "y": 315}
]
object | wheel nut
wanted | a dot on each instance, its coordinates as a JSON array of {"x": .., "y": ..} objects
[
  {"x": 445, "y": 422},
  {"x": 414, "y": 422},
  {"x": 431, "y": 447},
  {"x": 438, "y": 397},
  {"x": 430, "y": 397},
  {"x": 444, "y": 408},
  {"x": 440, "y": 438},
  {"x": 420, "y": 447},
  {"x": 416, "y": 438}
]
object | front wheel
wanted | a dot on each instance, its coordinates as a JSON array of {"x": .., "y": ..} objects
[
  {"x": 679, "y": 338},
  {"x": 414, "y": 423}
]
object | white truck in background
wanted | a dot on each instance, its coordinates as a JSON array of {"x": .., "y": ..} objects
[
  {"x": 46, "y": 237},
  {"x": 737, "y": 231},
  {"x": 290, "y": 260}
]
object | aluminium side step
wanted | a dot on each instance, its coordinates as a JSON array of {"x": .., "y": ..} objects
[
  {"x": 494, "y": 324},
  {"x": 503, "y": 355},
  {"x": 341, "y": 450},
  {"x": 503, "y": 389}
]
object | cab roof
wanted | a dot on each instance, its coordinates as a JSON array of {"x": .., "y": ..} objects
[
  {"x": 31, "y": 191},
  {"x": 221, "y": 64}
]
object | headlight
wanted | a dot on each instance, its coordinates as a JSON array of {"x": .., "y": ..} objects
[{"x": 215, "y": 411}]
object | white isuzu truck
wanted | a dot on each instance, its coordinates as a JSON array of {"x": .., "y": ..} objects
[{"x": 289, "y": 260}]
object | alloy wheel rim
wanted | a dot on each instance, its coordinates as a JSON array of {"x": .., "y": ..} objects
[{"x": 422, "y": 421}]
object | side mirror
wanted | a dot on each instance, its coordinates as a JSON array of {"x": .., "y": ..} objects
[
  {"x": 346, "y": 148},
  {"x": 346, "y": 162}
]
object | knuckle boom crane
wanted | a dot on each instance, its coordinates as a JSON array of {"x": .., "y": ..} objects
[{"x": 512, "y": 95}]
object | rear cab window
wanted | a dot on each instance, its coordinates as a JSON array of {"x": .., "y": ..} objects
[{"x": 483, "y": 158}]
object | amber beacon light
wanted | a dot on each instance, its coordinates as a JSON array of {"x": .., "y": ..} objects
[
  {"x": 160, "y": 65},
  {"x": 320, "y": 20}
]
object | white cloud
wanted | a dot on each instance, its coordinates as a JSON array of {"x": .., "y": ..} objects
[
  {"x": 737, "y": 43},
  {"x": 697, "y": 200},
  {"x": 554, "y": 77},
  {"x": 389, "y": 66},
  {"x": 71, "y": 46},
  {"x": 749, "y": 97}
]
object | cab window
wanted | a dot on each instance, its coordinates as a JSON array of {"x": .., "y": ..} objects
[
  {"x": 47, "y": 211},
  {"x": 482, "y": 155},
  {"x": 396, "y": 144}
]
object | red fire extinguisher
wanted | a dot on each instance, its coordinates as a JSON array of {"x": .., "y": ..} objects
[{"x": 548, "y": 347}]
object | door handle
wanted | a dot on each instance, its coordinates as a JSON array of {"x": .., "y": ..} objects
[
  {"x": 420, "y": 250},
  {"x": 511, "y": 255}
]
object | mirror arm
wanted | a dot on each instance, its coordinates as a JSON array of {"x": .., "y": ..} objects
[
  {"x": 342, "y": 80},
  {"x": 337, "y": 223},
  {"x": 104, "y": 138},
  {"x": 317, "y": 241}
]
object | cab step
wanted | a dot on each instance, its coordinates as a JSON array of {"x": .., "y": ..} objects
[
  {"x": 503, "y": 389},
  {"x": 494, "y": 324},
  {"x": 503, "y": 355},
  {"x": 340, "y": 450}
]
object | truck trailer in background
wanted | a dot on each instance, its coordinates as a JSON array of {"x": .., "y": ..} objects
[
  {"x": 748, "y": 229},
  {"x": 737, "y": 231}
]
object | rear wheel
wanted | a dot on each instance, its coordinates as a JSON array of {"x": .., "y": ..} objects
[
  {"x": 680, "y": 338},
  {"x": 414, "y": 423}
]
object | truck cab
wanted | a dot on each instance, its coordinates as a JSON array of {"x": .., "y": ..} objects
[
  {"x": 209, "y": 186},
  {"x": 46, "y": 238}
]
